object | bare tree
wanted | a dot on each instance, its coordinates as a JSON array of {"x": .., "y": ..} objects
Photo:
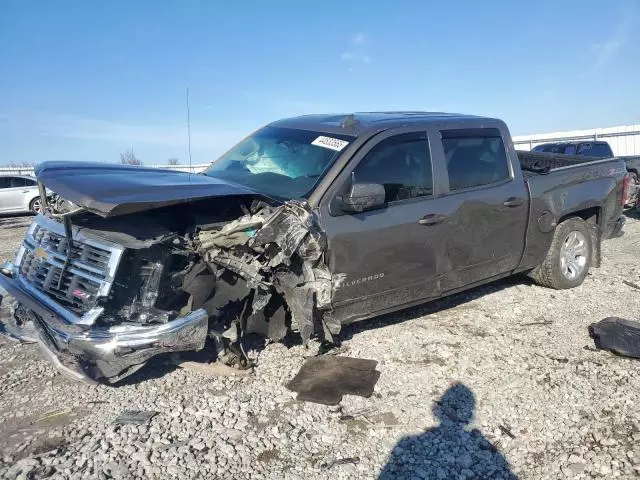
[
  {"x": 128, "y": 157},
  {"x": 173, "y": 161}
]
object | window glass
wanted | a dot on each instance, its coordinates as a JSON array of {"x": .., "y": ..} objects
[
  {"x": 29, "y": 182},
  {"x": 280, "y": 162},
  {"x": 402, "y": 164},
  {"x": 474, "y": 157},
  {"x": 5, "y": 182},
  {"x": 18, "y": 182},
  {"x": 595, "y": 150}
]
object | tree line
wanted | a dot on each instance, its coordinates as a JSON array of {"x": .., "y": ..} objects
[{"x": 128, "y": 157}]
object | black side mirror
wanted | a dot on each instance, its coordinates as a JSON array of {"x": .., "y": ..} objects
[{"x": 362, "y": 197}]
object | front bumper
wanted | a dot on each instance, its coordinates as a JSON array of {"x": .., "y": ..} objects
[{"x": 93, "y": 353}]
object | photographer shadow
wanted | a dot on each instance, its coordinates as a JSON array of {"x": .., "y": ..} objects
[{"x": 450, "y": 450}]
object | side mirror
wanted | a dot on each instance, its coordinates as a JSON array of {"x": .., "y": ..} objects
[{"x": 362, "y": 197}]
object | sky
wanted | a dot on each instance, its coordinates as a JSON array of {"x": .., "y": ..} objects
[{"x": 88, "y": 80}]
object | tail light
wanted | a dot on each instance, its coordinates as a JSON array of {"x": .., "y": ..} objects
[{"x": 625, "y": 198}]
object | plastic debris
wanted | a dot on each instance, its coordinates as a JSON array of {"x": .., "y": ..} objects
[
  {"x": 617, "y": 335},
  {"x": 326, "y": 379}
]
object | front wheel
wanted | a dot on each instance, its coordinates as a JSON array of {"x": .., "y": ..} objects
[
  {"x": 569, "y": 257},
  {"x": 36, "y": 206}
]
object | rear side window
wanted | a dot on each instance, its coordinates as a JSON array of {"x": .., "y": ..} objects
[
  {"x": 474, "y": 157},
  {"x": 5, "y": 182},
  {"x": 402, "y": 164},
  {"x": 595, "y": 150},
  {"x": 18, "y": 182}
]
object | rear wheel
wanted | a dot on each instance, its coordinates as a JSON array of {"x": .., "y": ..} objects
[
  {"x": 36, "y": 205},
  {"x": 632, "y": 196},
  {"x": 569, "y": 257}
]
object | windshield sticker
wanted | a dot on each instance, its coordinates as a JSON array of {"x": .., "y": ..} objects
[{"x": 331, "y": 143}]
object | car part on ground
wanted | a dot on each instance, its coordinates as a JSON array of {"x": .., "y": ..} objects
[
  {"x": 617, "y": 335},
  {"x": 134, "y": 417},
  {"x": 325, "y": 379}
]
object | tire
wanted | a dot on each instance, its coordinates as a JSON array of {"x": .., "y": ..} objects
[
  {"x": 35, "y": 206},
  {"x": 633, "y": 188},
  {"x": 569, "y": 257}
]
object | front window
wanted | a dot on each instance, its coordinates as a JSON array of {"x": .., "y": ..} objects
[
  {"x": 280, "y": 162},
  {"x": 401, "y": 164}
]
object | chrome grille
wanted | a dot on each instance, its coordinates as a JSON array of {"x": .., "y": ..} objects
[{"x": 88, "y": 273}]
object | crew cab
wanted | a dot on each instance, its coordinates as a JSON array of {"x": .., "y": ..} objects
[{"x": 308, "y": 224}]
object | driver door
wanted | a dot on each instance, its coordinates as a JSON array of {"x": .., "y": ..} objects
[{"x": 388, "y": 257}]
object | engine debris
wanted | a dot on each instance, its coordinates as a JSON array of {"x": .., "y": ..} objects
[{"x": 275, "y": 251}]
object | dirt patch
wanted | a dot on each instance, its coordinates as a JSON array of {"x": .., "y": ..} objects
[{"x": 269, "y": 455}]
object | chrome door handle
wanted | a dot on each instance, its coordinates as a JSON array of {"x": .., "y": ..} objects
[
  {"x": 432, "y": 219},
  {"x": 512, "y": 202}
]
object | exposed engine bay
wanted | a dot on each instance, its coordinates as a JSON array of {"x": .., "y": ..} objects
[{"x": 253, "y": 265}]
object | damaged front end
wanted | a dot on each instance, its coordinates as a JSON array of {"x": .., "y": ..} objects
[{"x": 103, "y": 294}]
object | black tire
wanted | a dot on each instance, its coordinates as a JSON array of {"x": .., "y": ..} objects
[
  {"x": 35, "y": 206},
  {"x": 550, "y": 272}
]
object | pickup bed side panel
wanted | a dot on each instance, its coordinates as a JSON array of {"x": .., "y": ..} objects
[{"x": 571, "y": 190}]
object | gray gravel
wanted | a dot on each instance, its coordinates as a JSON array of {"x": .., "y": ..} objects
[{"x": 493, "y": 383}]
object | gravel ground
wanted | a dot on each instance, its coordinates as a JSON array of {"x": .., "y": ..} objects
[{"x": 498, "y": 382}]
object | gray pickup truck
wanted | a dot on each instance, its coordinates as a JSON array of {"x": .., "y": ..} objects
[
  {"x": 308, "y": 224},
  {"x": 599, "y": 149}
]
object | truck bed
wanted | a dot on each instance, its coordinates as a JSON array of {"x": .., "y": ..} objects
[{"x": 544, "y": 162}]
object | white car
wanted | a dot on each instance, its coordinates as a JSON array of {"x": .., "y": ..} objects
[{"x": 19, "y": 194}]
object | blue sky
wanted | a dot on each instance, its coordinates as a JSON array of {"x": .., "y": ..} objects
[{"x": 86, "y": 80}]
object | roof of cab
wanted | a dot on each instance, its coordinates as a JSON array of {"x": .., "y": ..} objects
[{"x": 356, "y": 123}]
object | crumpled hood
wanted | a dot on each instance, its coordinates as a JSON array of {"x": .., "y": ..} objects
[{"x": 110, "y": 189}]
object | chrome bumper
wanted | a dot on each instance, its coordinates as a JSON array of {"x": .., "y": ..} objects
[{"x": 93, "y": 353}]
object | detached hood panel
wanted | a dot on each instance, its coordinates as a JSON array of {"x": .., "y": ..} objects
[{"x": 109, "y": 190}]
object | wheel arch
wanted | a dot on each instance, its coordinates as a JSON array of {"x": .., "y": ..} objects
[{"x": 593, "y": 218}]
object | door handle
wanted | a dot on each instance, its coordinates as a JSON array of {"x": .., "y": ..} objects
[
  {"x": 432, "y": 219},
  {"x": 25, "y": 191},
  {"x": 512, "y": 202}
]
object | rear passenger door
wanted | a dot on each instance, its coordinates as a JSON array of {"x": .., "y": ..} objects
[{"x": 486, "y": 206}]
